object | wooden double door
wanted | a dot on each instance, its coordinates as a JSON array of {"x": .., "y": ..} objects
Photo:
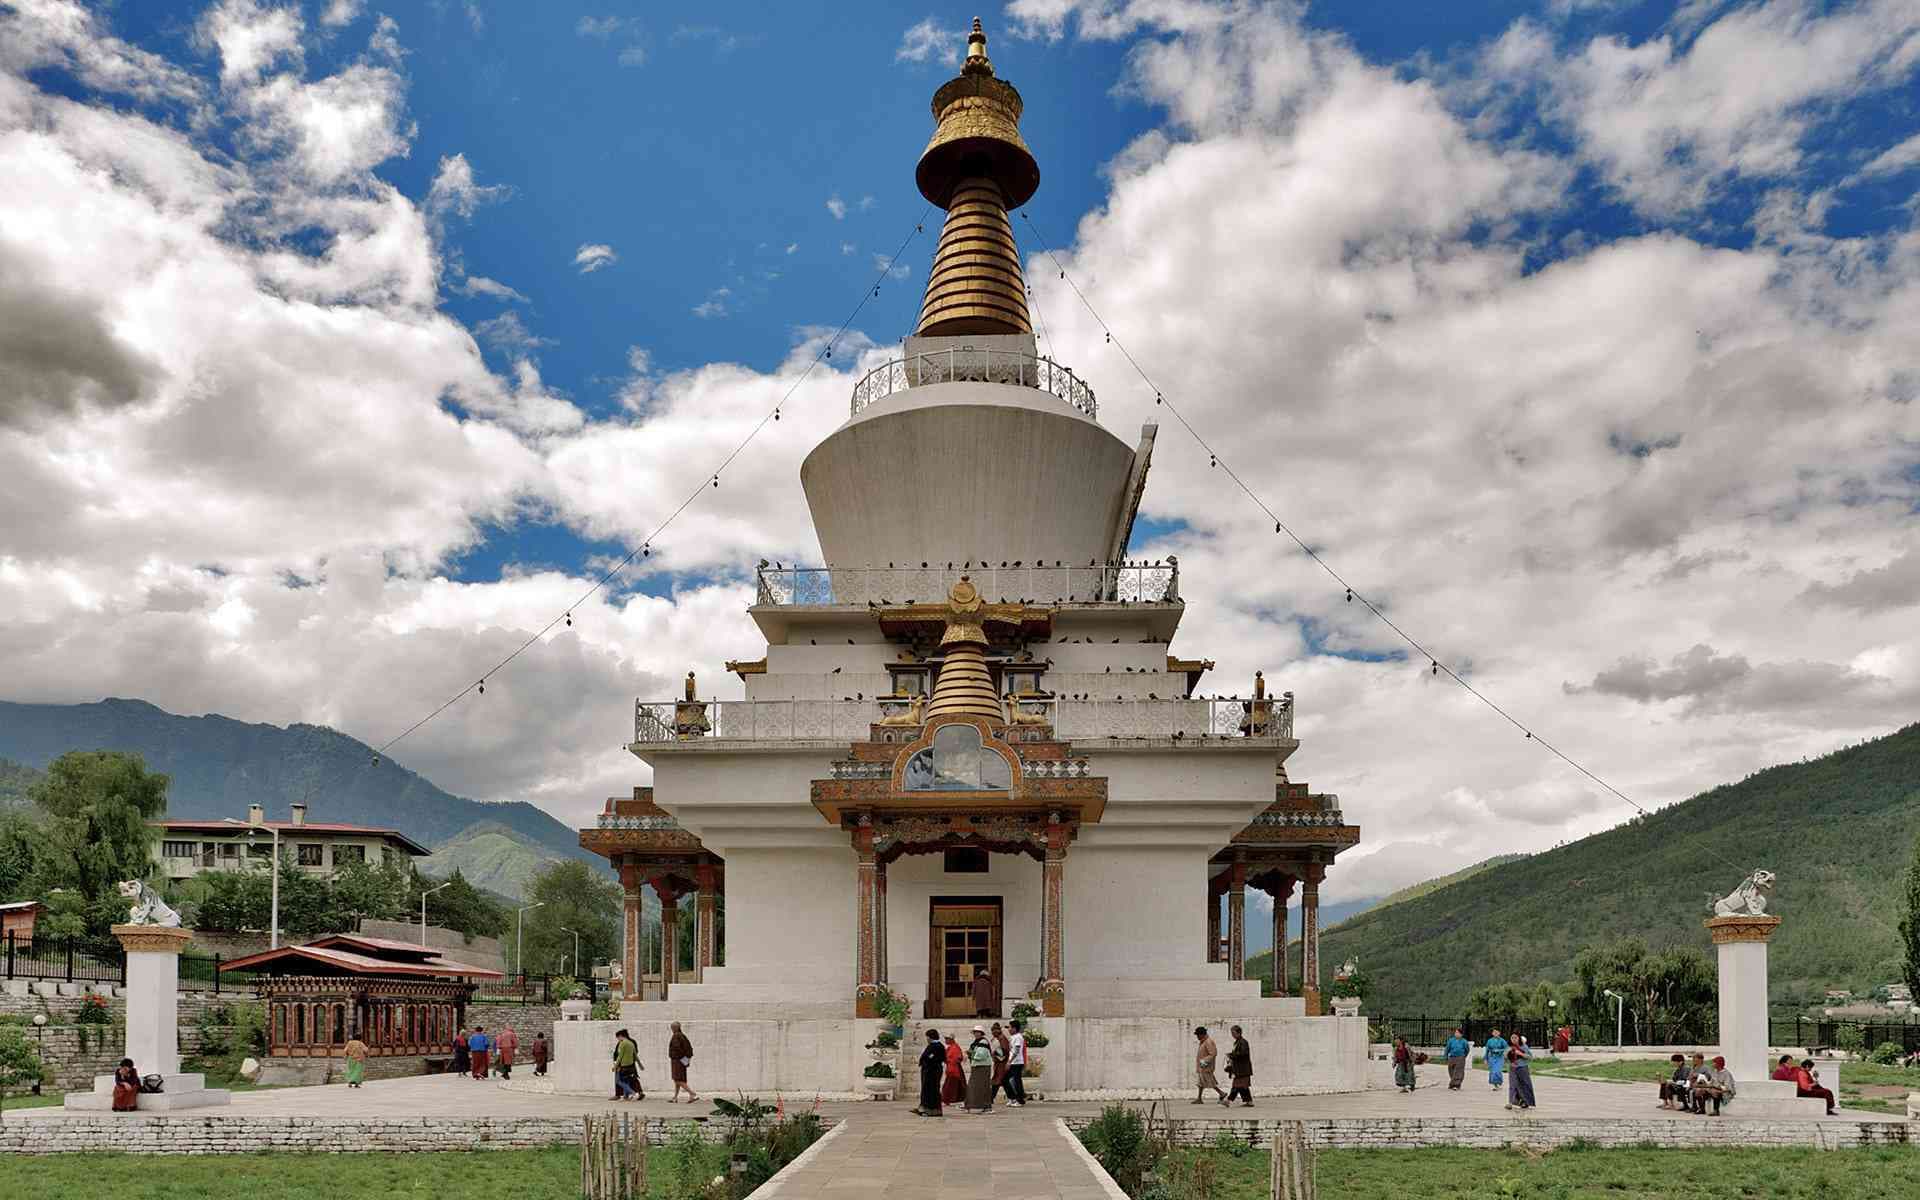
[{"x": 964, "y": 940}]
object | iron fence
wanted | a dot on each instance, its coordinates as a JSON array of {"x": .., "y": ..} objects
[
  {"x": 928, "y": 583},
  {"x": 534, "y": 988},
  {"x": 1196, "y": 719},
  {"x": 958, "y": 365},
  {"x": 65, "y": 960}
]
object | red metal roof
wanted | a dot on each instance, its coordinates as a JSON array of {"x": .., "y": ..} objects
[
  {"x": 362, "y": 964},
  {"x": 286, "y": 827}
]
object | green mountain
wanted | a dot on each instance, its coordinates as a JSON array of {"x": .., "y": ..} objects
[
  {"x": 1838, "y": 831},
  {"x": 492, "y": 857},
  {"x": 219, "y": 766},
  {"x": 1414, "y": 891}
]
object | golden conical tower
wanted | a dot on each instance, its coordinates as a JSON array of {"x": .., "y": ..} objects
[
  {"x": 965, "y": 687},
  {"x": 976, "y": 167}
]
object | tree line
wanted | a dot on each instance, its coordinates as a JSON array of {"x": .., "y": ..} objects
[{"x": 84, "y": 827}]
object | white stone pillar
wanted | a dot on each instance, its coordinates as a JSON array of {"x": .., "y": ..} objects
[
  {"x": 1742, "y": 945},
  {"x": 153, "y": 995}
]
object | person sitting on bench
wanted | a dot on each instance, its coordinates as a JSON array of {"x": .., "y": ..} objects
[
  {"x": 1675, "y": 1086},
  {"x": 1714, "y": 1083}
]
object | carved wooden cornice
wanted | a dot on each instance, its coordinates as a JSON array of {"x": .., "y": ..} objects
[{"x": 1724, "y": 930}]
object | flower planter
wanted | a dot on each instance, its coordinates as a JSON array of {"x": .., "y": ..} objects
[{"x": 879, "y": 1089}]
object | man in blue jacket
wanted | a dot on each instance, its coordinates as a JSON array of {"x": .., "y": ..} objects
[{"x": 1457, "y": 1050}]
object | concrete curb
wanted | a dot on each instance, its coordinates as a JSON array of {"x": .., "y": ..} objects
[
  {"x": 773, "y": 1186},
  {"x": 1093, "y": 1164}
]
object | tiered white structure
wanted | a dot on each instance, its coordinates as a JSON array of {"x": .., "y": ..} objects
[{"x": 967, "y": 745}]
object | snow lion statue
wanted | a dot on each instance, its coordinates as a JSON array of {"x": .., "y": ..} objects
[
  {"x": 148, "y": 908},
  {"x": 1747, "y": 900}
]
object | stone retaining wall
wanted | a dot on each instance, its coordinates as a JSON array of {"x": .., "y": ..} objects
[
  {"x": 1411, "y": 1133},
  {"x": 245, "y": 1135}
]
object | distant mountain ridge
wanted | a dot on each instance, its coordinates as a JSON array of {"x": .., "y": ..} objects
[
  {"x": 491, "y": 857},
  {"x": 1838, "y": 831},
  {"x": 219, "y": 766}
]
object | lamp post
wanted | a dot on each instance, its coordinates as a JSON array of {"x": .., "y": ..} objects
[
  {"x": 1619, "y": 1016},
  {"x": 40, "y": 1038},
  {"x": 273, "y": 935},
  {"x": 576, "y": 948},
  {"x": 423, "y": 909},
  {"x": 519, "y": 927}
]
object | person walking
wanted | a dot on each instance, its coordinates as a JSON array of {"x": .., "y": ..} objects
[
  {"x": 1205, "y": 1055},
  {"x": 506, "y": 1046},
  {"x": 459, "y": 1064},
  {"x": 1457, "y": 1050},
  {"x": 998, "y": 1037},
  {"x": 1403, "y": 1077},
  {"x": 1240, "y": 1070},
  {"x": 541, "y": 1053},
  {"x": 953, "y": 1086},
  {"x": 679, "y": 1058},
  {"x": 1520, "y": 1073},
  {"x": 479, "y": 1047},
  {"x": 1496, "y": 1049},
  {"x": 933, "y": 1073},
  {"x": 980, "y": 1072},
  {"x": 356, "y": 1061},
  {"x": 985, "y": 1004},
  {"x": 1017, "y": 1064},
  {"x": 626, "y": 1068}
]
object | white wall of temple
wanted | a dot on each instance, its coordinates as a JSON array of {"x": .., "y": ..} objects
[
  {"x": 912, "y": 883},
  {"x": 790, "y": 922}
]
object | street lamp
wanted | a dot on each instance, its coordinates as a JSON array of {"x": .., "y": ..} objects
[
  {"x": 576, "y": 948},
  {"x": 273, "y": 936},
  {"x": 40, "y": 1052},
  {"x": 1619, "y": 1016},
  {"x": 423, "y": 909},
  {"x": 519, "y": 926}
]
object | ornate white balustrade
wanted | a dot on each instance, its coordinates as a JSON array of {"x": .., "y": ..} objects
[
  {"x": 1037, "y": 583},
  {"x": 666, "y": 721},
  {"x": 954, "y": 365}
]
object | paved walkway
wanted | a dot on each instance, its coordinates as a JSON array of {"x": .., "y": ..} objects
[
  {"x": 460, "y": 1096},
  {"x": 1014, "y": 1154}
]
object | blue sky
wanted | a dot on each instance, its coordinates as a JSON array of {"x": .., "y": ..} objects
[{"x": 1578, "y": 332}]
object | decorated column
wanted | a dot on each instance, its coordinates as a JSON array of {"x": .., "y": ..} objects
[
  {"x": 1310, "y": 937},
  {"x": 880, "y": 922},
  {"x": 630, "y": 964},
  {"x": 1281, "y": 894},
  {"x": 1053, "y": 891},
  {"x": 669, "y": 934},
  {"x": 1213, "y": 924},
  {"x": 1237, "y": 921},
  {"x": 703, "y": 921},
  {"x": 1740, "y": 928},
  {"x": 866, "y": 994}
]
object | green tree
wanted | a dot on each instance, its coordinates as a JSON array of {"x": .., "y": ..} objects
[
  {"x": 460, "y": 906},
  {"x": 1671, "y": 991},
  {"x": 572, "y": 896},
  {"x": 19, "y": 852},
  {"x": 364, "y": 892},
  {"x": 66, "y": 915},
  {"x": 19, "y": 1065},
  {"x": 96, "y": 805},
  {"x": 1910, "y": 926}
]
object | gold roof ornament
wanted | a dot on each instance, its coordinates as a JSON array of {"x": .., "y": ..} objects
[
  {"x": 976, "y": 167},
  {"x": 965, "y": 686}
]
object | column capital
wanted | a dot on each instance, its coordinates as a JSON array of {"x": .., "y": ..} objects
[{"x": 1726, "y": 930}]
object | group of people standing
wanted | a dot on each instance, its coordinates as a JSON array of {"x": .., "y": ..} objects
[
  {"x": 995, "y": 1060},
  {"x": 477, "y": 1053},
  {"x": 1509, "y": 1065},
  {"x": 1239, "y": 1068}
]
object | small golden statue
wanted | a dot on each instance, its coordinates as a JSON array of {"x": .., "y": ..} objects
[
  {"x": 1259, "y": 710},
  {"x": 690, "y": 715},
  {"x": 912, "y": 714}
]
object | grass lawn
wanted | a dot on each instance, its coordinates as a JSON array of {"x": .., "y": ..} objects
[
  {"x": 1621, "y": 1070},
  {"x": 1580, "y": 1174},
  {"x": 482, "y": 1175},
  {"x": 47, "y": 1099}
]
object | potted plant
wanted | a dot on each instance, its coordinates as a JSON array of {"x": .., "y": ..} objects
[
  {"x": 893, "y": 1010},
  {"x": 1350, "y": 986},
  {"x": 1036, "y": 1038},
  {"x": 879, "y": 1079},
  {"x": 886, "y": 1039}
]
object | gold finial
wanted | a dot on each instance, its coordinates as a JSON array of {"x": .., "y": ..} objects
[
  {"x": 977, "y": 167},
  {"x": 689, "y": 685},
  {"x": 965, "y": 686}
]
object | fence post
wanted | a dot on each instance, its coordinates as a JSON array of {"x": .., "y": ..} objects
[
  {"x": 69, "y": 960},
  {"x": 216, "y": 972},
  {"x": 9, "y": 954}
]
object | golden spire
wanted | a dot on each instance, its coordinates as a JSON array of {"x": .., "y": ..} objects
[
  {"x": 976, "y": 167},
  {"x": 965, "y": 686}
]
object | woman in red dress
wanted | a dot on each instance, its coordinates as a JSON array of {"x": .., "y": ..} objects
[
  {"x": 954, "y": 1088},
  {"x": 126, "y": 1087}
]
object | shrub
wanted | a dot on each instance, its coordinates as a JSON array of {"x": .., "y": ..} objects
[
  {"x": 1227, "y": 1143},
  {"x": 1850, "y": 1039},
  {"x": 1888, "y": 1053},
  {"x": 605, "y": 1009},
  {"x": 564, "y": 989},
  {"x": 1036, "y": 1038},
  {"x": 691, "y": 1163},
  {"x": 94, "y": 1010},
  {"x": 1117, "y": 1138},
  {"x": 1025, "y": 1011},
  {"x": 878, "y": 1070},
  {"x": 887, "y": 1040}
]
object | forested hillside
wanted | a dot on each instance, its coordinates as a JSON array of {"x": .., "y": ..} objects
[{"x": 1838, "y": 831}]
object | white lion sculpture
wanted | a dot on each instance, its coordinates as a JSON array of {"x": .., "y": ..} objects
[
  {"x": 1747, "y": 900},
  {"x": 148, "y": 908}
]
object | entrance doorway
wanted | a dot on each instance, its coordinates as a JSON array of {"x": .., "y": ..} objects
[{"x": 965, "y": 940}]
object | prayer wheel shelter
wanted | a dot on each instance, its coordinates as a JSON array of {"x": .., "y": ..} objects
[{"x": 398, "y": 997}]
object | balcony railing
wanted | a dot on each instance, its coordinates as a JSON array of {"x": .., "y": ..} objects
[
  {"x": 660, "y": 722},
  {"x": 1134, "y": 583},
  {"x": 978, "y": 366}
]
